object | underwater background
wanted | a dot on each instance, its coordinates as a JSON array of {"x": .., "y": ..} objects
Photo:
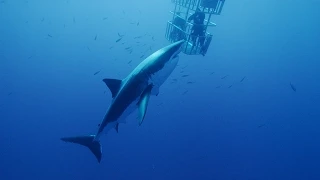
[{"x": 248, "y": 110}]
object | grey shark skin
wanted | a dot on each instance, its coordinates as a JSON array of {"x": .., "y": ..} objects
[{"x": 133, "y": 93}]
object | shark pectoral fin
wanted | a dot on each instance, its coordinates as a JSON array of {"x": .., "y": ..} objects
[
  {"x": 114, "y": 85},
  {"x": 143, "y": 103},
  {"x": 117, "y": 127}
]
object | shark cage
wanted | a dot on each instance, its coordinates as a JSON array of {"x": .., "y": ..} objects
[{"x": 196, "y": 35}]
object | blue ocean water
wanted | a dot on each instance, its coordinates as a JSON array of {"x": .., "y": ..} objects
[{"x": 230, "y": 115}]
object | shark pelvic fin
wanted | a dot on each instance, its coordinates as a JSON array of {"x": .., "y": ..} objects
[
  {"x": 114, "y": 85},
  {"x": 117, "y": 127},
  {"x": 155, "y": 91},
  {"x": 143, "y": 103}
]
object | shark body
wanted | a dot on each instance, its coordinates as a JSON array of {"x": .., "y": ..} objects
[{"x": 132, "y": 93}]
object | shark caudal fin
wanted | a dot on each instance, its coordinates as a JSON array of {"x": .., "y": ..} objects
[{"x": 87, "y": 141}]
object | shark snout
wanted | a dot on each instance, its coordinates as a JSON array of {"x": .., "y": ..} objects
[{"x": 178, "y": 48}]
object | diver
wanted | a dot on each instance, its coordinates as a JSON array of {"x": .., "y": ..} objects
[
  {"x": 205, "y": 46},
  {"x": 198, "y": 17},
  {"x": 197, "y": 33},
  {"x": 198, "y": 28},
  {"x": 179, "y": 25}
]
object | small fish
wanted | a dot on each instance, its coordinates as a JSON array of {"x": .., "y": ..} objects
[
  {"x": 110, "y": 47},
  {"x": 212, "y": 73},
  {"x": 95, "y": 38},
  {"x": 130, "y": 52},
  {"x": 30, "y": 57},
  {"x": 230, "y": 86},
  {"x": 129, "y": 61},
  {"x": 190, "y": 82},
  {"x": 142, "y": 56},
  {"x": 120, "y": 35},
  {"x": 10, "y": 93},
  {"x": 105, "y": 18},
  {"x": 293, "y": 87},
  {"x": 137, "y": 37},
  {"x": 49, "y": 35},
  {"x": 152, "y": 38},
  {"x": 224, "y": 76},
  {"x": 159, "y": 104},
  {"x": 185, "y": 92},
  {"x": 123, "y": 12},
  {"x": 74, "y": 20},
  {"x": 138, "y": 24},
  {"x": 42, "y": 20},
  {"x": 88, "y": 49},
  {"x": 243, "y": 79},
  {"x": 96, "y": 72},
  {"x": 118, "y": 40},
  {"x": 261, "y": 125},
  {"x": 186, "y": 75},
  {"x": 172, "y": 82},
  {"x": 184, "y": 67}
]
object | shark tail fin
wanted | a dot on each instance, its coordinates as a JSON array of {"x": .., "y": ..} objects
[{"x": 87, "y": 141}]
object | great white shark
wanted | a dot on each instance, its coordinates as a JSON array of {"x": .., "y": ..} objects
[{"x": 131, "y": 93}]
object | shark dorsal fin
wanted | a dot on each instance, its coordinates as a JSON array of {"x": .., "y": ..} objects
[
  {"x": 114, "y": 85},
  {"x": 143, "y": 103}
]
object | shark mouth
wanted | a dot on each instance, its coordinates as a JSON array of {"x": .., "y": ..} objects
[{"x": 176, "y": 54}]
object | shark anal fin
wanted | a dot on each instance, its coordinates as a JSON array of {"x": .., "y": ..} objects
[
  {"x": 87, "y": 141},
  {"x": 143, "y": 103},
  {"x": 117, "y": 127},
  {"x": 114, "y": 85}
]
